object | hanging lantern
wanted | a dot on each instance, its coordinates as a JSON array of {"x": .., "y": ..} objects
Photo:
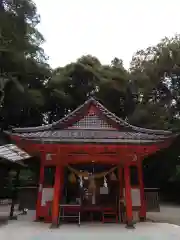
[
  {"x": 113, "y": 177},
  {"x": 72, "y": 178}
]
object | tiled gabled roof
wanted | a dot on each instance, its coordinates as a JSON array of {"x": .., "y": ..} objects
[
  {"x": 64, "y": 122},
  {"x": 92, "y": 122}
]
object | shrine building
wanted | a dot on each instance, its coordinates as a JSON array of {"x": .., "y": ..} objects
[{"x": 86, "y": 160}]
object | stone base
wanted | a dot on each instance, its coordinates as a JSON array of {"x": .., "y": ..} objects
[
  {"x": 54, "y": 226},
  {"x": 130, "y": 225},
  {"x": 142, "y": 219}
]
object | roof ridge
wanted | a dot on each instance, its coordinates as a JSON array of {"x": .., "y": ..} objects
[{"x": 104, "y": 110}]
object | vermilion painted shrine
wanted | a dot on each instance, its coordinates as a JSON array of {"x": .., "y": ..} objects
[{"x": 85, "y": 164}]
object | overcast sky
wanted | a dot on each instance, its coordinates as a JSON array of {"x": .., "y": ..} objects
[{"x": 104, "y": 28}]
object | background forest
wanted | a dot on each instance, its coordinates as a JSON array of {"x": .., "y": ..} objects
[{"x": 32, "y": 93}]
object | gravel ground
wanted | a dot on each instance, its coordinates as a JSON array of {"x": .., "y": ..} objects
[
  {"x": 19, "y": 230},
  {"x": 26, "y": 228},
  {"x": 167, "y": 214}
]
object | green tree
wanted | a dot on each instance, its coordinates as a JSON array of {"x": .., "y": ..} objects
[
  {"x": 156, "y": 73},
  {"x": 23, "y": 67},
  {"x": 71, "y": 85}
]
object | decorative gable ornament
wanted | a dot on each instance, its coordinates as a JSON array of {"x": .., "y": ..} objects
[{"x": 92, "y": 121}]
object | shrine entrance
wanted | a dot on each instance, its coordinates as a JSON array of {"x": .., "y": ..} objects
[
  {"x": 91, "y": 189},
  {"x": 86, "y": 162},
  {"x": 96, "y": 188}
]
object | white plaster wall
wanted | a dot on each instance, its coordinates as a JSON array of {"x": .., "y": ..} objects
[
  {"x": 47, "y": 195},
  {"x": 135, "y": 194}
]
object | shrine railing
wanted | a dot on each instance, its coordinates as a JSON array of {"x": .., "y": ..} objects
[
  {"x": 27, "y": 198},
  {"x": 152, "y": 199}
]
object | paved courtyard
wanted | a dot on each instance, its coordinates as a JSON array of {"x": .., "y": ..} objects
[
  {"x": 168, "y": 214},
  {"x": 24, "y": 230}
]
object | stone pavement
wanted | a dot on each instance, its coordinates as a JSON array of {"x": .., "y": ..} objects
[
  {"x": 21, "y": 230},
  {"x": 167, "y": 214},
  {"x": 26, "y": 228}
]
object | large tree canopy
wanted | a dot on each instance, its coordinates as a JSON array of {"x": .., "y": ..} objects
[
  {"x": 22, "y": 63},
  {"x": 156, "y": 72},
  {"x": 147, "y": 95},
  {"x": 71, "y": 85}
]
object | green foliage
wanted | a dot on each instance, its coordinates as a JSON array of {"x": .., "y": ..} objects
[
  {"x": 148, "y": 95},
  {"x": 22, "y": 63},
  {"x": 156, "y": 73},
  {"x": 73, "y": 84}
]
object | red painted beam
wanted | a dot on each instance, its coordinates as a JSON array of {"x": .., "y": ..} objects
[{"x": 110, "y": 153}]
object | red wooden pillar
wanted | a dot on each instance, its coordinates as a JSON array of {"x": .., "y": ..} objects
[
  {"x": 142, "y": 212},
  {"x": 128, "y": 197},
  {"x": 121, "y": 194},
  {"x": 56, "y": 198},
  {"x": 39, "y": 195},
  {"x": 121, "y": 185}
]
